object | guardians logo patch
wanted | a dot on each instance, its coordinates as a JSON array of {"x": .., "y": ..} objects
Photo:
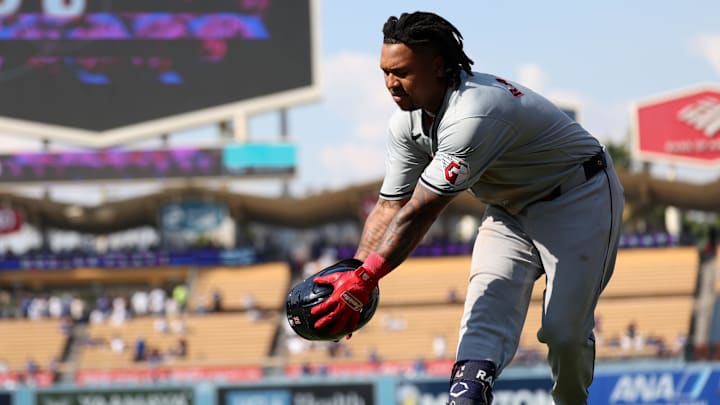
[{"x": 456, "y": 171}]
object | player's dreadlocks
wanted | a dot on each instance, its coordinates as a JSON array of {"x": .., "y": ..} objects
[{"x": 423, "y": 29}]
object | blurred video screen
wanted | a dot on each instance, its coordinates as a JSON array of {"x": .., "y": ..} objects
[{"x": 102, "y": 64}]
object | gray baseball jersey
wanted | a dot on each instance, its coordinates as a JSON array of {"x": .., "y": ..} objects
[{"x": 505, "y": 143}]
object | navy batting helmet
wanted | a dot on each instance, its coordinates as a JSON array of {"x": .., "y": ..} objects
[{"x": 306, "y": 294}]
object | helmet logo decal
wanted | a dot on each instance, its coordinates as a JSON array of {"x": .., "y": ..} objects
[{"x": 351, "y": 301}]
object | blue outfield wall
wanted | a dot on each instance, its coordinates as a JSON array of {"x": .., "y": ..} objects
[{"x": 648, "y": 383}]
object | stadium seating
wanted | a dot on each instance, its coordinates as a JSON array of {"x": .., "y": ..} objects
[
  {"x": 654, "y": 272},
  {"x": 39, "y": 340},
  {"x": 659, "y": 317},
  {"x": 426, "y": 281},
  {"x": 237, "y": 337},
  {"x": 266, "y": 283},
  {"x": 638, "y": 272},
  {"x": 395, "y": 334},
  {"x": 212, "y": 339}
]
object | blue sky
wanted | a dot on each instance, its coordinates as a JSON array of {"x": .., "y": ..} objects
[{"x": 598, "y": 56}]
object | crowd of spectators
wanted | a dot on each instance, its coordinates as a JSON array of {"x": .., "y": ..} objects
[
  {"x": 71, "y": 307},
  {"x": 636, "y": 343},
  {"x": 85, "y": 306}
]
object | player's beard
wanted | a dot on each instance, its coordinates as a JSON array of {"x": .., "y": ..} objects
[{"x": 406, "y": 103}]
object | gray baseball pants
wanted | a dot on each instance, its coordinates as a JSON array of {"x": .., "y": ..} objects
[{"x": 573, "y": 240}]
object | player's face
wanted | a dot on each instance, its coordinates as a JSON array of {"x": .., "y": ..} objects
[{"x": 414, "y": 79}]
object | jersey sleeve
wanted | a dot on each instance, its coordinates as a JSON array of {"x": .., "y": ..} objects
[
  {"x": 404, "y": 162},
  {"x": 465, "y": 149}
]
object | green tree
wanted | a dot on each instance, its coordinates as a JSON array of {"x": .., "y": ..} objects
[{"x": 620, "y": 153}]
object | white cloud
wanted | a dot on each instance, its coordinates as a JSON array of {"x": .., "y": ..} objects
[
  {"x": 357, "y": 162},
  {"x": 353, "y": 88},
  {"x": 609, "y": 122},
  {"x": 567, "y": 98},
  {"x": 708, "y": 45},
  {"x": 530, "y": 75}
]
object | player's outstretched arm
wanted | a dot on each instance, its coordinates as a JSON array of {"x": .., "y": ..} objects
[
  {"x": 376, "y": 224},
  {"x": 409, "y": 226}
]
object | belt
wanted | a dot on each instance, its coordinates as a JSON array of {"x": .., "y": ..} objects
[{"x": 590, "y": 168}]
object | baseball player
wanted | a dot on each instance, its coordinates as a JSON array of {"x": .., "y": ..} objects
[{"x": 554, "y": 207}]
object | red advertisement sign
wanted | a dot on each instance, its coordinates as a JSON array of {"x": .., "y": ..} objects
[
  {"x": 681, "y": 126},
  {"x": 10, "y": 220},
  {"x": 439, "y": 367},
  {"x": 143, "y": 375},
  {"x": 16, "y": 378}
]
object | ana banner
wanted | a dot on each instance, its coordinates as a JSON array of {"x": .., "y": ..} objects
[{"x": 690, "y": 386}]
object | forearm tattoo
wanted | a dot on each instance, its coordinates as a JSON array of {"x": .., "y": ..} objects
[
  {"x": 376, "y": 225},
  {"x": 410, "y": 224}
]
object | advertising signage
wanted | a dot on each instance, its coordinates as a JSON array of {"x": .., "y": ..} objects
[
  {"x": 79, "y": 68},
  {"x": 696, "y": 386},
  {"x": 132, "y": 165},
  {"x": 11, "y": 220},
  {"x": 109, "y": 165},
  {"x": 510, "y": 391},
  {"x": 632, "y": 386},
  {"x": 169, "y": 396},
  {"x": 350, "y": 394},
  {"x": 681, "y": 126}
]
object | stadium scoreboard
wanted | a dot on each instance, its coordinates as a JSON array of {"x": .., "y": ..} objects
[{"x": 95, "y": 66}]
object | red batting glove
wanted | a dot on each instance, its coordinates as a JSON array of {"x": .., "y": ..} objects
[{"x": 351, "y": 292}]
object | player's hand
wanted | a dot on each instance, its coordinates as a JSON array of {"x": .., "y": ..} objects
[{"x": 351, "y": 292}]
